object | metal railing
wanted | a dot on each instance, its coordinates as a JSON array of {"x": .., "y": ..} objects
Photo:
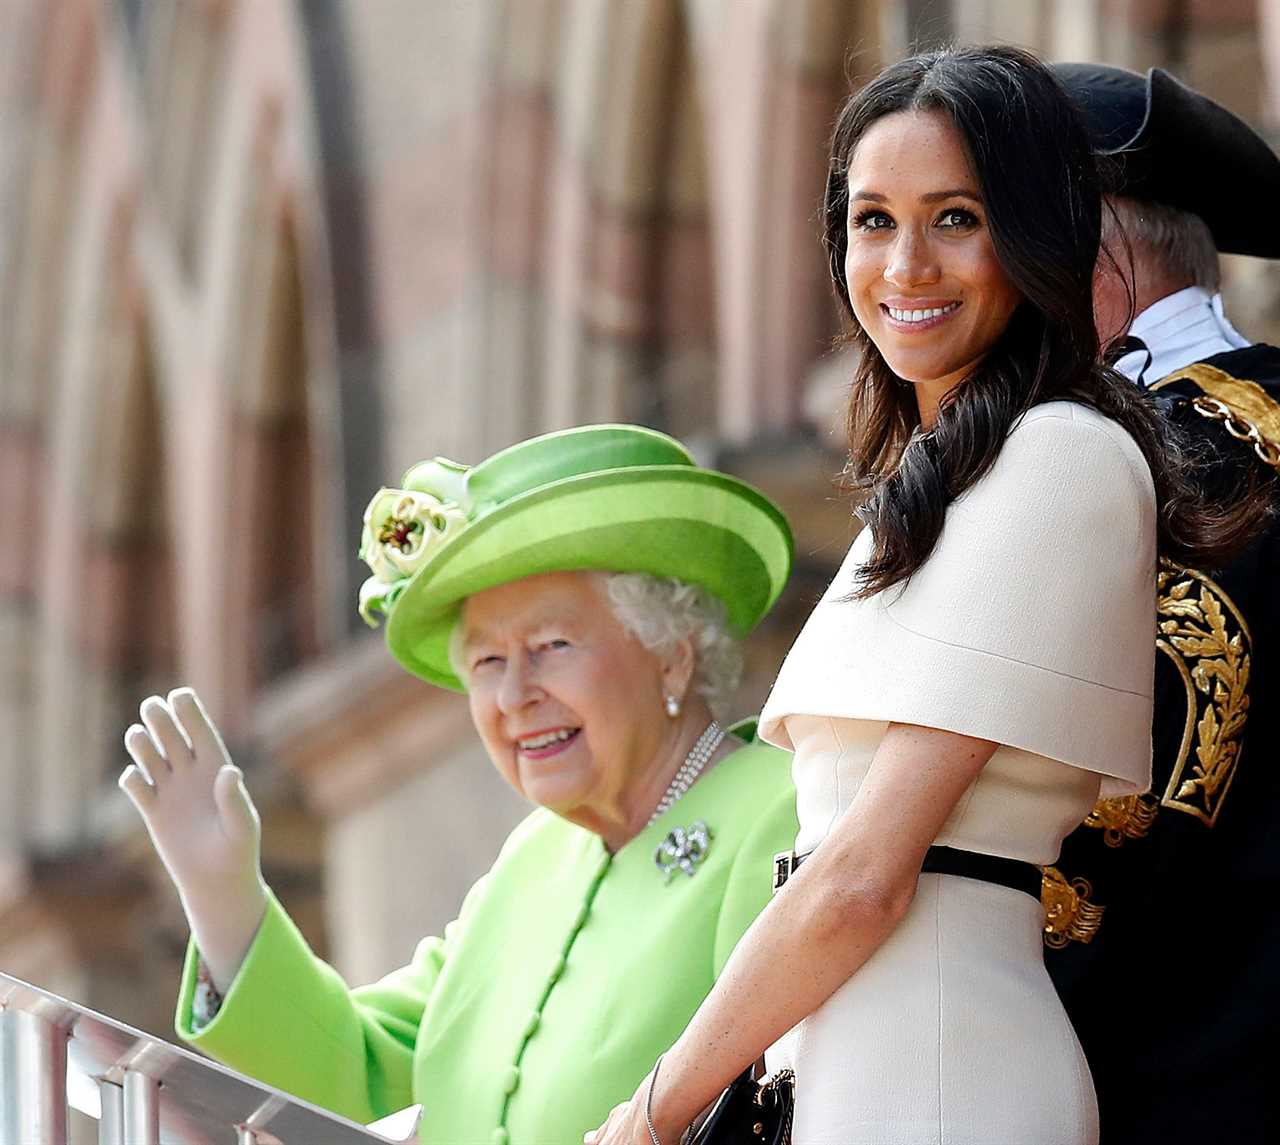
[{"x": 140, "y": 1090}]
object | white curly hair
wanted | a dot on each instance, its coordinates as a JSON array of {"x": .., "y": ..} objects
[{"x": 661, "y": 611}]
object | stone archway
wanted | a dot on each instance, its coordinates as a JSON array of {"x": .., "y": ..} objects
[
  {"x": 775, "y": 76},
  {"x": 252, "y": 404},
  {"x": 272, "y": 498},
  {"x": 629, "y": 321},
  {"x": 106, "y": 593},
  {"x": 47, "y": 114}
]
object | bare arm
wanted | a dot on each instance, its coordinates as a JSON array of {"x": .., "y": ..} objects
[{"x": 829, "y": 919}]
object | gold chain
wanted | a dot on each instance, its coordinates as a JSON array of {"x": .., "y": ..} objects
[{"x": 1240, "y": 428}]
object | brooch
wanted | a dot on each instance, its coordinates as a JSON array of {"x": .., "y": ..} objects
[{"x": 683, "y": 850}]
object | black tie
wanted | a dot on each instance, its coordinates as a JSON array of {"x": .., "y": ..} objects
[{"x": 1128, "y": 345}]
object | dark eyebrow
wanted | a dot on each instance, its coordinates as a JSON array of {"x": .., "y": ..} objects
[
  {"x": 931, "y": 197},
  {"x": 954, "y": 193}
]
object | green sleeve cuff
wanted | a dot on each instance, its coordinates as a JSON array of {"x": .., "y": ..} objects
[
  {"x": 275, "y": 957},
  {"x": 282, "y": 1020},
  {"x": 289, "y": 1020}
]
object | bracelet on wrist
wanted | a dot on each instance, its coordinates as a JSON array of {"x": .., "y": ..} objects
[
  {"x": 206, "y": 1002},
  {"x": 648, "y": 1103}
]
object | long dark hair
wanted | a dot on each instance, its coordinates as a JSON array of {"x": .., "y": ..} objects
[{"x": 1039, "y": 184}]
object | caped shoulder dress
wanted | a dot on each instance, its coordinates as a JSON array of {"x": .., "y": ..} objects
[{"x": 1031, "y": 624}]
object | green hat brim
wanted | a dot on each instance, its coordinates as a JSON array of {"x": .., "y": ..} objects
[{"x": 701, "y": 526}]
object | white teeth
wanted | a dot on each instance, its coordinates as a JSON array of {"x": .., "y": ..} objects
[
  {"x": 545, "y": 740},
  {"x": 920, "y": 315}
]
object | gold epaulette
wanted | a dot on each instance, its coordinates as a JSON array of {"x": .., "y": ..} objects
[
  {"x": 1069, "y": 916},
  {"x": 1204, "y": 634},
  {"x": 1207, "y": 639},
  {"x": 1248, "y": 412}
]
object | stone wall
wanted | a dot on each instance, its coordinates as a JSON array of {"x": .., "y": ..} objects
[{"x": 258, "y": 256}]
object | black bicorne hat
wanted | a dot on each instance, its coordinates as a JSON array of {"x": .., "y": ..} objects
[{"x": 1173, "y": 145}]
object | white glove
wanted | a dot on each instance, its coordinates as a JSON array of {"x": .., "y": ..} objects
[{"x": 203, "y": 824}]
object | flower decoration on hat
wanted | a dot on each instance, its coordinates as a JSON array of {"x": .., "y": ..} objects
[
  {"x": 617, "y": 497},
  {"x": 405, "y": 528}
]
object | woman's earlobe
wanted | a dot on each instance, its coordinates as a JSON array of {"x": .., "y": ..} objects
[{"x": 678, "y": 674}]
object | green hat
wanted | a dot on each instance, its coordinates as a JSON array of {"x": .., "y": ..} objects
[{"x": 612, "y": 497}]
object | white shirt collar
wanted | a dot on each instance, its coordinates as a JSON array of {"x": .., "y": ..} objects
[{"x": 1184, "y": 327}]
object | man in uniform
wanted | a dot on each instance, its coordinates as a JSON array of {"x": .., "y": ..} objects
[{"x": 1163, "y": 911}]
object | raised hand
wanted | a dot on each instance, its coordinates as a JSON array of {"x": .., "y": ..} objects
[{"x": 203, "y": 824}]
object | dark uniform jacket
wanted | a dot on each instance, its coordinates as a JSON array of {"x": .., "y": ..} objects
[{"x": 1163, "y": 911}]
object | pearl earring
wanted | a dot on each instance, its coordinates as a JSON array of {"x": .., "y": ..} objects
[{"x": 673, "y": 707}]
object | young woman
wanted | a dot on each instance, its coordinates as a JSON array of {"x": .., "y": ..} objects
[{"x": 980, "y": 670}]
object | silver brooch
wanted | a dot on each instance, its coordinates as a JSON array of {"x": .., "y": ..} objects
[{"x": 683, "y": 850}]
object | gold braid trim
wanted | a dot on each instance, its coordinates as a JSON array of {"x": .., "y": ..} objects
[
  {"x": 1250, "y": 413},
  {"x": 1211, "y": 647},
  {"x": 1069, "y": 916},
  {"x": 1203, "y": 633},
  {"x": 1123, "y": 817}
]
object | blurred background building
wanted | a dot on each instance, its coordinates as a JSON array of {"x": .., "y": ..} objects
[{"x": 258, "y": 256}]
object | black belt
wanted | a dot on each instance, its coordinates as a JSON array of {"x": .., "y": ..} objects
[{"x": 1012, "y": 873}]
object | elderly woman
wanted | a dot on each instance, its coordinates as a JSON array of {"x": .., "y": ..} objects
[{"x": 587, "y": 590}]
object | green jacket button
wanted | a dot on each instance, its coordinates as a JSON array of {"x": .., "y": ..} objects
[
  {"x": 512, "y": 1080},
  {"x": 532, "y": 1024},
  {"x": 500, "y": 1136}
]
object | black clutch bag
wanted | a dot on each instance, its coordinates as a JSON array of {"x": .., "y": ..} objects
[{"x": 749, "y": 1112}]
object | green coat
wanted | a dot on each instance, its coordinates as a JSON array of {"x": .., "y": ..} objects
[{"x": 564, "y": 976}]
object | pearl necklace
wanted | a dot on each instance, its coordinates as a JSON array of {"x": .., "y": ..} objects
[{"x": 694, "y": 762}]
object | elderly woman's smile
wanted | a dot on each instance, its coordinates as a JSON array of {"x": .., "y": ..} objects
[
  {"x": 568, "y": 702},
  {"x": 545, "y": 744}
]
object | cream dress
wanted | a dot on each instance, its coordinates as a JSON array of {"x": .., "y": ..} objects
[{"x": 1031, "y": 624}]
